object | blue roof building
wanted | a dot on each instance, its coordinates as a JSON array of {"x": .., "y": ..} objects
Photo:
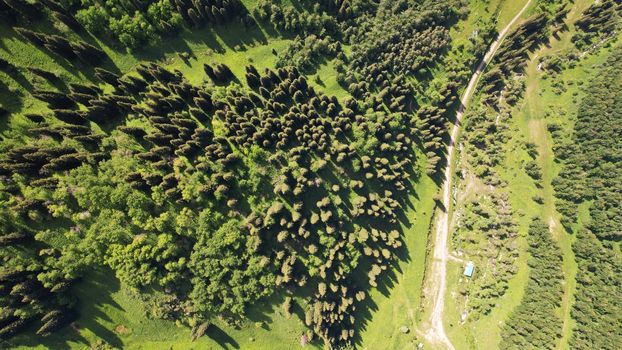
[{"x": 468, "y": 270}]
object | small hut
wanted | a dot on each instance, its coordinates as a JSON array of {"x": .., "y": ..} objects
[{"x": 468, "y": 269}]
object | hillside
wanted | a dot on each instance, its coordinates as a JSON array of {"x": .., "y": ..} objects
[{"x": 265, "y": 174}]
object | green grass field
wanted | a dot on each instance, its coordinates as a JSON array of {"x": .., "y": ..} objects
[{"x": 113, "y": 313}]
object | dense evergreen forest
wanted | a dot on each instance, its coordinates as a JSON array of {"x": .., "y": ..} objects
[
  {"x": 212, "y": 197},
  {"x": 592, "y": 176},
  {"x": 208, "y": 194},
  {"x": 534, "y": 324}
]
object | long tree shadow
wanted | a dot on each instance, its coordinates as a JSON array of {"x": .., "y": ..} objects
[
  {"x": 232, "y": 36},
  {"x": 10, "y": 100},
  {"x": 10, "y": 33},
  {"x": 262, "y": 311},
  {"x": 19, "y": 78},
  {"x": 180, "y": 43},
  {"x": 221, "y": 337},
  {"x": 77, "y": 68},
  {"x": 368, "y": 306},
  {"x": 235, "y": 35},
  {"x": 93, "y": 294}
]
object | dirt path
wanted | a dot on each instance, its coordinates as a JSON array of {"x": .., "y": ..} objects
[{"x": 438, "y": 270}]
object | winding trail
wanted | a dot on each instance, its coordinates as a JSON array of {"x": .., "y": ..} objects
[{"x": 438, "y": 270}]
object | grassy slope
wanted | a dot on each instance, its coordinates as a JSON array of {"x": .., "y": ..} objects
[
  {"x": 398, "y": 305},
  {"x": 507, "y": 10},
  {"x": 113, "y": 313}
]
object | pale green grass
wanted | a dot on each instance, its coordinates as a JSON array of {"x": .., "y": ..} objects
[
  {"x": 478, "y": 9},
  {"x": 327, "y": 81},
  {"x": 14, "y": 87},
  {"x": 260, "y": 56},
  {"x": 508, "y": 9}
]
